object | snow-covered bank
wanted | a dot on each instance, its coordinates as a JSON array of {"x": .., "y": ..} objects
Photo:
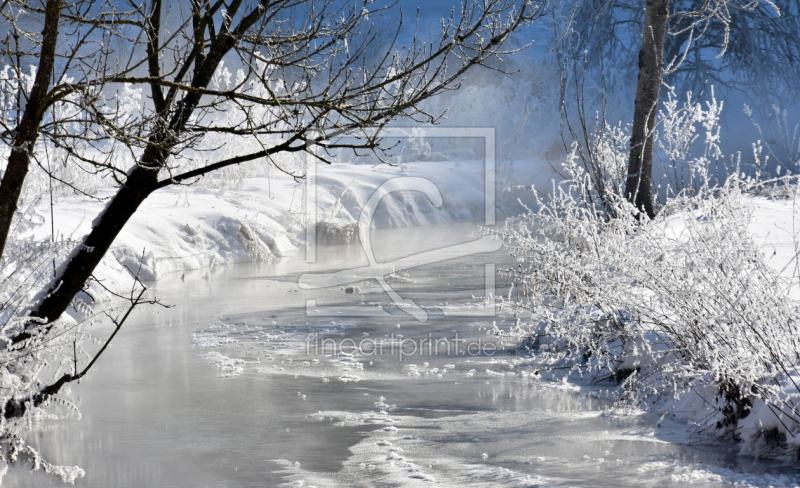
[{"x": 189, "y": 227}]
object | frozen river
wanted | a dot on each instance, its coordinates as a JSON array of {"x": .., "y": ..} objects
[{"x": 254, "y": 380}]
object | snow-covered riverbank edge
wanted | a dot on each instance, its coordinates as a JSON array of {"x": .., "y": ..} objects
[{"x": 182, "y": 228}]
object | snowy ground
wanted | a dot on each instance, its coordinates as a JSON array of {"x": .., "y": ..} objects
[{"x": 775, "y": 227}]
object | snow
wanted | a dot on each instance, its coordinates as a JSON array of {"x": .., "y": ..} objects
[
  {"x": 182, "y": 228},
  {"x": 775, "y": 227}
]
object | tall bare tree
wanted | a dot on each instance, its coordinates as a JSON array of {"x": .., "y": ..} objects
[
  {"x": 281, "y": 76},
  {"x": 761, "y": 57},
  {"x": 690, "y": 23},
  {"x": 687, "y": 43},
  {"x": 51, "y": 48},
  {"x": 24, "y": 135},
  {"x": 639, "y": 184}
]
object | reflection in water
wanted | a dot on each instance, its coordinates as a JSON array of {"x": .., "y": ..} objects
[{"x": 156, "y": 411}]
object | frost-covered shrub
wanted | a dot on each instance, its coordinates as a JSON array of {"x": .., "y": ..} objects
[
  {"x": 683, "y": 311},
  {"x": 781, "y": 138},
  {"x": 28, "y": 366}
]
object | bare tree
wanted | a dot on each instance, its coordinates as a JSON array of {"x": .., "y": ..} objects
[
  {"x": 685, "y": 43},
  {"x": 28, "y": 119},
  {"x": 761, "y": 56},
  {"x": 284, "y": 76},
  {"x": 639, "y": 184}
]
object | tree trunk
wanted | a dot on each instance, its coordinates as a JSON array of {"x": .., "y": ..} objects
[
  {"x": 27, "y": 132},
  {"x": 639, "y": 184},
  {"x": 72, "y": 276}
]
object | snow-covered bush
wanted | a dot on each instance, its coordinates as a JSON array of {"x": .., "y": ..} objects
[
  {"x": 28, "y": 366},
  {"x": 682, "y": 311}
]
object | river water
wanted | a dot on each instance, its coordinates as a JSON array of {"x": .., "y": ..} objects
[{"x": 255, "y": 378}]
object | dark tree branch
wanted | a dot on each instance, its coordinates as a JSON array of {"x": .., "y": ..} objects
[{"x": 15, "y": 408}]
